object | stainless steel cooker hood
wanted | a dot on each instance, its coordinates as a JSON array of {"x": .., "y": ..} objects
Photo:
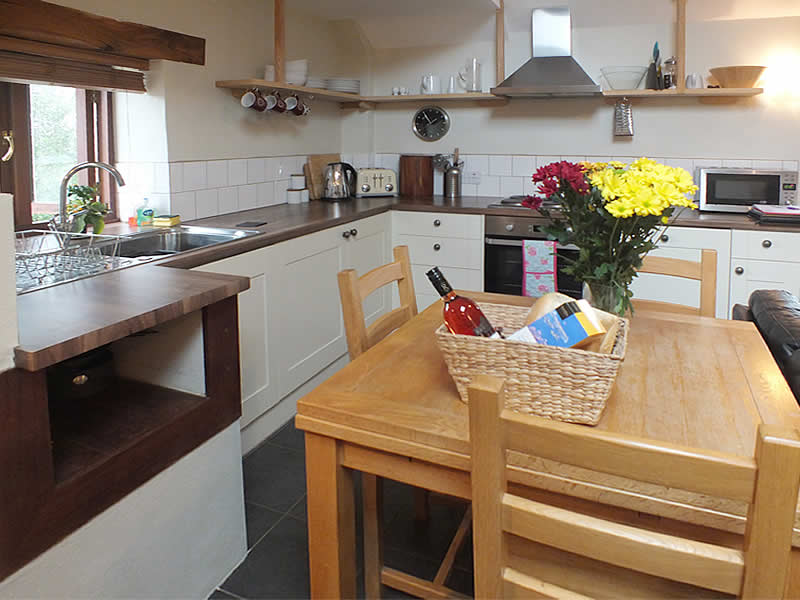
[{"x": 552, "y": 71}]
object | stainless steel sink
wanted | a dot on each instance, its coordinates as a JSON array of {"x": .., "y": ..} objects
[{"x": 156, "y": 244}]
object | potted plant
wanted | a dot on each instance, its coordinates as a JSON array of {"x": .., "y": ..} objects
[
  {"x": 84, "y": 202},
  {"x": 613, "y": 213}
]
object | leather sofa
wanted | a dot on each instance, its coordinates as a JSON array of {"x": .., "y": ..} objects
[{"x": 776, "y": 314}]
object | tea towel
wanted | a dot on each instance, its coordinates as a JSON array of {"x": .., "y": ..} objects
[{"x": 538, "y": 267}]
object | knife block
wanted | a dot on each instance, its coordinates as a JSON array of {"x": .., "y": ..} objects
[{"x": 416, "y": 175}]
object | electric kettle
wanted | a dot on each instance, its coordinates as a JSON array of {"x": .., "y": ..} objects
[{"x": 340, "y": 181}]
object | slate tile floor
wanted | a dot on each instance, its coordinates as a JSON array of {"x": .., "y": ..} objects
[{"x": 276, "y": 565}]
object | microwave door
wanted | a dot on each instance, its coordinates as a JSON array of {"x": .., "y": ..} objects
[{"x": 734, "y": 190}]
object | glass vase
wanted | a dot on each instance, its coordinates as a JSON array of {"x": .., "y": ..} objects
[{"x": 608, "y": 297}]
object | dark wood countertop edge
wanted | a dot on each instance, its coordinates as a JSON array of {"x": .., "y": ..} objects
[{"x": 35, "y": 359}]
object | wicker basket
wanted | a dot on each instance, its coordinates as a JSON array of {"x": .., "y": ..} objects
[{"x": 564, "y": 384}]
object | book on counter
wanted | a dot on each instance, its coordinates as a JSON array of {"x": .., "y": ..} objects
[
  {"x": 571, "y": 324},
  {"x": 769, "y": 213}
]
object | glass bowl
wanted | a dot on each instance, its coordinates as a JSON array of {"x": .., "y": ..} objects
[{"x": 624, "y": 78}]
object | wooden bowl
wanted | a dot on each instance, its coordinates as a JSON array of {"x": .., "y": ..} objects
[{"x": 738, "y": 77}]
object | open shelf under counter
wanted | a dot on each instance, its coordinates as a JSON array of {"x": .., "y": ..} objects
[{"x": 687, "y": 93}]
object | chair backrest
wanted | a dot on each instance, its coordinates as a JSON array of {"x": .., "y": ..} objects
[
  {"x": 768, "y": 483},
  {"x": 705, "y": 272},
  {"x": 354, "y": 289}
]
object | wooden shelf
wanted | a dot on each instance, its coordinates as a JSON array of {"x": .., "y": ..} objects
[
  {"x": 467, "y": 96},
  {"x": 240, "y": 85},
  {"x": 687, "y": 93}
]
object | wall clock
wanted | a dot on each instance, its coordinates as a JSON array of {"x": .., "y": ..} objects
[{"x": 431, "y": 123}]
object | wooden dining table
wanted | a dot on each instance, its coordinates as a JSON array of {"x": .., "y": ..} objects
[{"x": 394, "y": 412}]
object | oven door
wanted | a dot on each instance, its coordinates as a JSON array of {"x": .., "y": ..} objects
[
  {"x": 503, "y": 268},
  {"x": 737, "y": 192}
]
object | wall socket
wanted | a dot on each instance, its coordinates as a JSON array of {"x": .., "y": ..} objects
[{"x": 473, "y": 177}]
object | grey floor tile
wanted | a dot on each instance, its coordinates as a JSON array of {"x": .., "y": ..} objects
[
  {"x": 274, "y": 477},
  {"x": 259, "y": 521},
  {"x": 277, "y": 567},
  {"x": 289, "y": 437},
  {"x": 300, "y": 510}
]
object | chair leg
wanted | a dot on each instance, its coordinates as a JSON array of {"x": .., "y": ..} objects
[
  {"x": 422, "y": 510},
  {"x": 372, "y": 496}
]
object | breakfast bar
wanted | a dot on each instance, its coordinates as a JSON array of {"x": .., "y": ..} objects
[{"x": 395, "y": 412}]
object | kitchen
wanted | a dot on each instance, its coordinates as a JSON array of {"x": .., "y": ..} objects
[{"x": 192, "y": 149}]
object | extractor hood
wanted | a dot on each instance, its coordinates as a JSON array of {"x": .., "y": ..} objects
[{"x": 552, "y": 71}]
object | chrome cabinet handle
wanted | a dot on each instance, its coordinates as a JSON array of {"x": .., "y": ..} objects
[
  {"x": 437, "y": 247},
  {"x": 436, "y": 223},
  {"x": 354, "y": 232},
  {"x": 766, "y": 244},
  {"x": 346, "y": 234},
  {"x": 665, "y": 238},
  {"x": 8, "y": 136},
  {"x": 739, "y": 270}
]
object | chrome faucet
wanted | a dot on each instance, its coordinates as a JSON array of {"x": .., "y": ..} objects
[{"x": 62, "y": 196}]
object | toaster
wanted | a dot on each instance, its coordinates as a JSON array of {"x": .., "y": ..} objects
[{"x": 376, "y": 182}]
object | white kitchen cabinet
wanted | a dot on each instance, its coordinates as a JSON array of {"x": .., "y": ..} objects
[
  {"x": 368, "y": 249},
  {"x": 259, "y": 377},
  {"x": 764, "y": 260},
  {"x": 453, "y": 242},
  {"x": 687, "y": 243}
]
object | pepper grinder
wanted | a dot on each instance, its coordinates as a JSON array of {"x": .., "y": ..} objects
[{"x": 452, "y": 178}]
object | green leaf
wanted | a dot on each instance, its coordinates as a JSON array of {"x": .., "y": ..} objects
[{"x": 78, "y": 224}]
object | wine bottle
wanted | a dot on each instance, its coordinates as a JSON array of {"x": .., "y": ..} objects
[{"x": 461, "y": 315}]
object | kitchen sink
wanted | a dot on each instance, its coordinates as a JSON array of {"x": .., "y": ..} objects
[{"x": 155, "y": 244}]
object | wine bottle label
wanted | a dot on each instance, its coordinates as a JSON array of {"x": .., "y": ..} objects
[
  {"x": 484, "y": 328},
  {"x": 439, "y": 282}
]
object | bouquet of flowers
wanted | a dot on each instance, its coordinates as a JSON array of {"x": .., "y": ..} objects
[{"x": 612, "y": 212}]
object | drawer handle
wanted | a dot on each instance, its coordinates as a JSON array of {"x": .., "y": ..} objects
[
  {"x": 739, "y": 270},
  {"x": 346, "y": 234},
  {"x": 436, "y": 223},
  {"x": 354, "y": 232},
  {"x": 665, "y": 238},
  {"x": 437, "y": 247},
  {"x": 766, "y": 244}
]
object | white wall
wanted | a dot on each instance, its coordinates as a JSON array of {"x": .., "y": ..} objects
[{"x": 8, "y": 294}]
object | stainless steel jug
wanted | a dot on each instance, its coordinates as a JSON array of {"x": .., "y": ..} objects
[{"x": 340, "y": 181}]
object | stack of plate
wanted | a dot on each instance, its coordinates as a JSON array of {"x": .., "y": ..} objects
[
  {"x": 316, "y": 82},
  {"x": 296, "y": 72},
  {"x": 350, "y": 86}
]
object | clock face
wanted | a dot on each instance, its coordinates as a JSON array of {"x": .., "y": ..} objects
[{"x": 431, "y": 123}]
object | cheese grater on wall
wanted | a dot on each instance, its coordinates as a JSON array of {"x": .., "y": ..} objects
[{"x": 623, "y": 118}]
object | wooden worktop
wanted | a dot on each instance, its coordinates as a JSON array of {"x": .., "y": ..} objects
[
  {"x": 63, "y": 321},
  {"x": 410, "y": 406}
]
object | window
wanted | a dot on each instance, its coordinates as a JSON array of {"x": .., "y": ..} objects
[{"x": 54, "y": 128}]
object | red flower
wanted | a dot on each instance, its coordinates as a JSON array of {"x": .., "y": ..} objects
[
  {"x": 551, "y": 178},
  {"x": 533, "y": 202}
]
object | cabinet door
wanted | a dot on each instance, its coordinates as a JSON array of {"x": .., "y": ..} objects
[
  {"x": 309, "y": 319},
  {"x": 258, "y": 376},
  {"x": 687, "y": 243},
  {"x": 368, "y": 249},
  {"x": 748, "y": 276}
]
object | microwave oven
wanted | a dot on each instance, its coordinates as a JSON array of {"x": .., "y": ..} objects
[{"x": 736, "y": 190}]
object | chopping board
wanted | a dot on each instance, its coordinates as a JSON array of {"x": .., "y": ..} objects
[
  {"x": 416, "y": 175},
  {"x": 316, "y": 170}
]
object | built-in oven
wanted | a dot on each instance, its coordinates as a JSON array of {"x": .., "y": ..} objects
[
  {"x": 736, "y": 190},
  {"x": 503, "y": 270}
]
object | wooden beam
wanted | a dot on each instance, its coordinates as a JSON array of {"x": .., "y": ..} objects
[
  {"x": 41, "y": 21},
  {"x": 24, "y": 68},
  {"x": 500, "y": 42},
  {"x": 55, "y": 51},
  {"x": 280, "y": 41},
  {"x": 680, "y": 45}
]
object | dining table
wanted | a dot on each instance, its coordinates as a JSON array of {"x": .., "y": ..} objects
[{"x": 394, "y": 412}]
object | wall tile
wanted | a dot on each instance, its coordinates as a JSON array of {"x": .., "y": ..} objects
[
  {"x": 280, "y": 191},
  {"x": 476, "y": 163},
  {"x": 625, "y": 159},
  {"x": 141, "y": 174},
  {"x": 361, "y": 160},
  {"x": 511, "y": 186},
  {"x": 194, "y": 176},
  {"x": 737, "y": 163},
  {"x": 683, "y": 163},
  {"x": 207, "y": 203},
  {"x": 279, "y": 167},
  {"x": 528, "y": 187},
  {"x": 769, "y": 165},
  {"x": 228, "y": 200},
  {"x": 217, "y": 173},
  {"x": 573, "y": 158},
  {"x": 598, "y": 158},
  {"x": 707, "y": 163},
  {"x": 546, "y": 160},
  {"x": 175, "y": 177},
  {"x": 160, "y": 203},
  {"x": 350, "y": 158},
  {"x": 469, "y": 189},
  {"x": 256, "y": 170},
  {"x": 237, "y": 172},
  {"x": 523, "y": 166},
  {"x": 265, "y": 194},
  {"x": 790, "y": 165},
  {"x": 183, "y": 204},
  {"x": 161, "y": 178},
  {"x": 248, "y": 197},
  {"x": 390, "y": 161},
  {"x": 500, "y": 165},
  {"x": 489, "y": 186}
]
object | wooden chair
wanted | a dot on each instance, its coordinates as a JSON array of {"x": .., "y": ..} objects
[
  {"x": 505, "y": 522},
  {"x": 705, "y": 272},
  {"x": 353, "y": 290}
]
